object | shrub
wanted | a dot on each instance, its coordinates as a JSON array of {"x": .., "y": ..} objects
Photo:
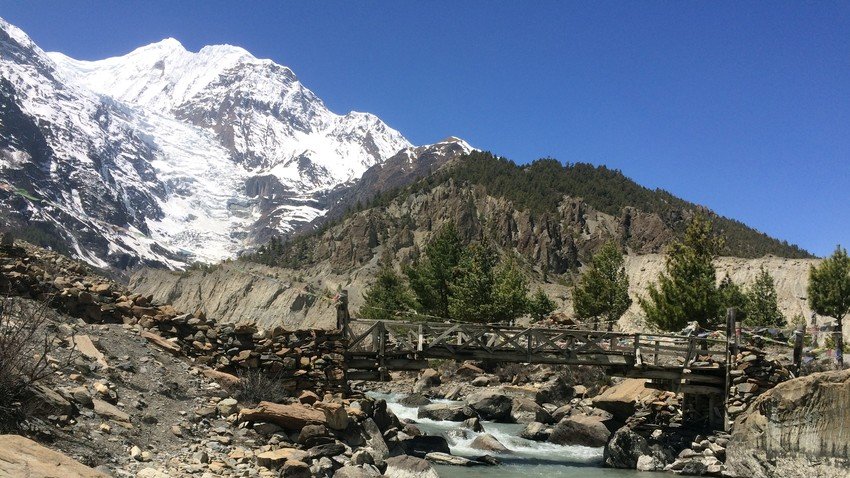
[
  {"x": 257, "y": 386},
  {"x": 24, "y": 348}
]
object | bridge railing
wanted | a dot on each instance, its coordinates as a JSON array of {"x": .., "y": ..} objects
[{"x": 369, "y": 338}]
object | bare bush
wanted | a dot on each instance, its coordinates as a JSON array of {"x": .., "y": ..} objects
[
  {"x": 256, "y": 386},
  {"x": 24, "y": 347}
]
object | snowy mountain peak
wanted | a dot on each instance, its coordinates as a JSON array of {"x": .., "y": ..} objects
[
  {"x": 167, "y": 156},
  {"x": 16, "y": 34}
]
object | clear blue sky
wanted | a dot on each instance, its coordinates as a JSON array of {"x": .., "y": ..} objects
[{"x": 741, "y": 106}]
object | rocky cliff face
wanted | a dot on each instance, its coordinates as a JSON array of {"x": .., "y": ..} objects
[
  {"x": 799, "y": 428},
  {"x": 791, "y": 277},
  {"x": 244, "y": 294},
  {"x": 251, "y": 293}
]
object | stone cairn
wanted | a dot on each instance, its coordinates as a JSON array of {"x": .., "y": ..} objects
[{"x": 302, "y": 360}]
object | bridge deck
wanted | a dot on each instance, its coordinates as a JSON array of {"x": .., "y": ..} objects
[{"x": 678, "y": 363}]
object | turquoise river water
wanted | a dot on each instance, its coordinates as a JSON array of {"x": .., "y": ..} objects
[{"x": 528, "y": 458}]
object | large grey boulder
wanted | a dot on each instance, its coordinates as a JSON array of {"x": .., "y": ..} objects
[
  {"x": 415, "y": 400},
  {"x": 491, "y": 405},
  {"x": 351, "y": 471},
  {"x": 798, "y": 428},
  {"x": 488, "y": 442},
  {"x": 404, "y": 466},
  {"x": 585, "y": 430},
  {"x": 536, "y": 431},
  {"x": 455, "y": 412},
  {"x": 621, "y": 399},
  {"x": 525, "y": 410},
  {"x": 423, "y": 444}
]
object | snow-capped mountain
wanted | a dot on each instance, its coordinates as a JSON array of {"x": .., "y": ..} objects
[{"x": 169, "y": 156}]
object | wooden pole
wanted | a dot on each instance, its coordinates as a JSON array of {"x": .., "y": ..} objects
[{"x": 799, "y": 335}]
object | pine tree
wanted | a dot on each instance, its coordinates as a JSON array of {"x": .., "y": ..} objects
[
  {"x": 731, "y": 295},
  {"x": 540, "y": 305},
  {"x": 471, "y": 292},
  {"x": 510, "y": 293},
  {"x": 431, "y": 276},
  {"x": 388, "y": 297},
  {"x": 687, "y": 290},
  {"x": 762, "y": 307},
  {"x": 602, "y": 292},
  {"x": 829, "y": 293}
]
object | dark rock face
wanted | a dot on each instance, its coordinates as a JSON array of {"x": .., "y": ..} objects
[{"x": 624, "y": 449}]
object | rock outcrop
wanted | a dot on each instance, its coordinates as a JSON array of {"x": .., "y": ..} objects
[
  {"x": 22, "y": 457},
  {"x": 799, "y": 428}
]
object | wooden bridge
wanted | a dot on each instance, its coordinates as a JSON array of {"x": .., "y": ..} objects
[{"x": 682, "y": 364}]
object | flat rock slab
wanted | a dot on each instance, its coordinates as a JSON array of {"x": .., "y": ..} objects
[
  {"x": 85, "y": 346},
  {"x": 22, "y": 457},
  {"x": 290, "y": 417},
  {"x": 109, "y": 411},
  {"x": 161, "y": 342}
]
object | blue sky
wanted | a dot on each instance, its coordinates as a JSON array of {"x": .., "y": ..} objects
[{"x": 741, "y": 106}]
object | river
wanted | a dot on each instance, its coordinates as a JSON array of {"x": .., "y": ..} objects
[{"x": 529, "y": 458}]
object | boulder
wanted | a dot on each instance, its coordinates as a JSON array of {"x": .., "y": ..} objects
[
  {"x": 336, "y": 417},
  {"x": 290, "y": 417},
  {"x": 328, "y": 450},
  {"x": 375, "y": 441},
  {"x": 649, "y": 463},
  {"x": 535, "y": 431},
  {"x": 556, "y": 390},
  {"x": 295, "y": 469},
  {"x": 625, "y": 449},
  {"x": 312, "y": 435},
  {"x": 49, "y": 402},
  {"x": 276, "y": 458},
  {"x": 585, "y": 430},
  {"x": 22, "y": 457},
  {"x": 384, "y": 418},
  {"x": 455, "y": 412},
  {"x": 525, "y": 410},
  {"x": 469, "y": 370},
  {"x": 423, "y": 444},
  {"x": 409, "y": 467},
  {"x": 561, "y": 412},
  {"x": 491, "y": 405},
  {"x": 428, "y": 379},
  {"x": 488, "y": 442},
  {"x": 797, "y": 428},
  {"x": 227, "y": 407},
  {"x": 473, "y": 424},
  {"x": 620, "y": 399},
  {"x": 415, "y": 400},
  {"x": 351, "y": 471}
]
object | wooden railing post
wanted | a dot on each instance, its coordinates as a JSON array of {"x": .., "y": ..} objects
[{"x": 799, "y": 335}]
